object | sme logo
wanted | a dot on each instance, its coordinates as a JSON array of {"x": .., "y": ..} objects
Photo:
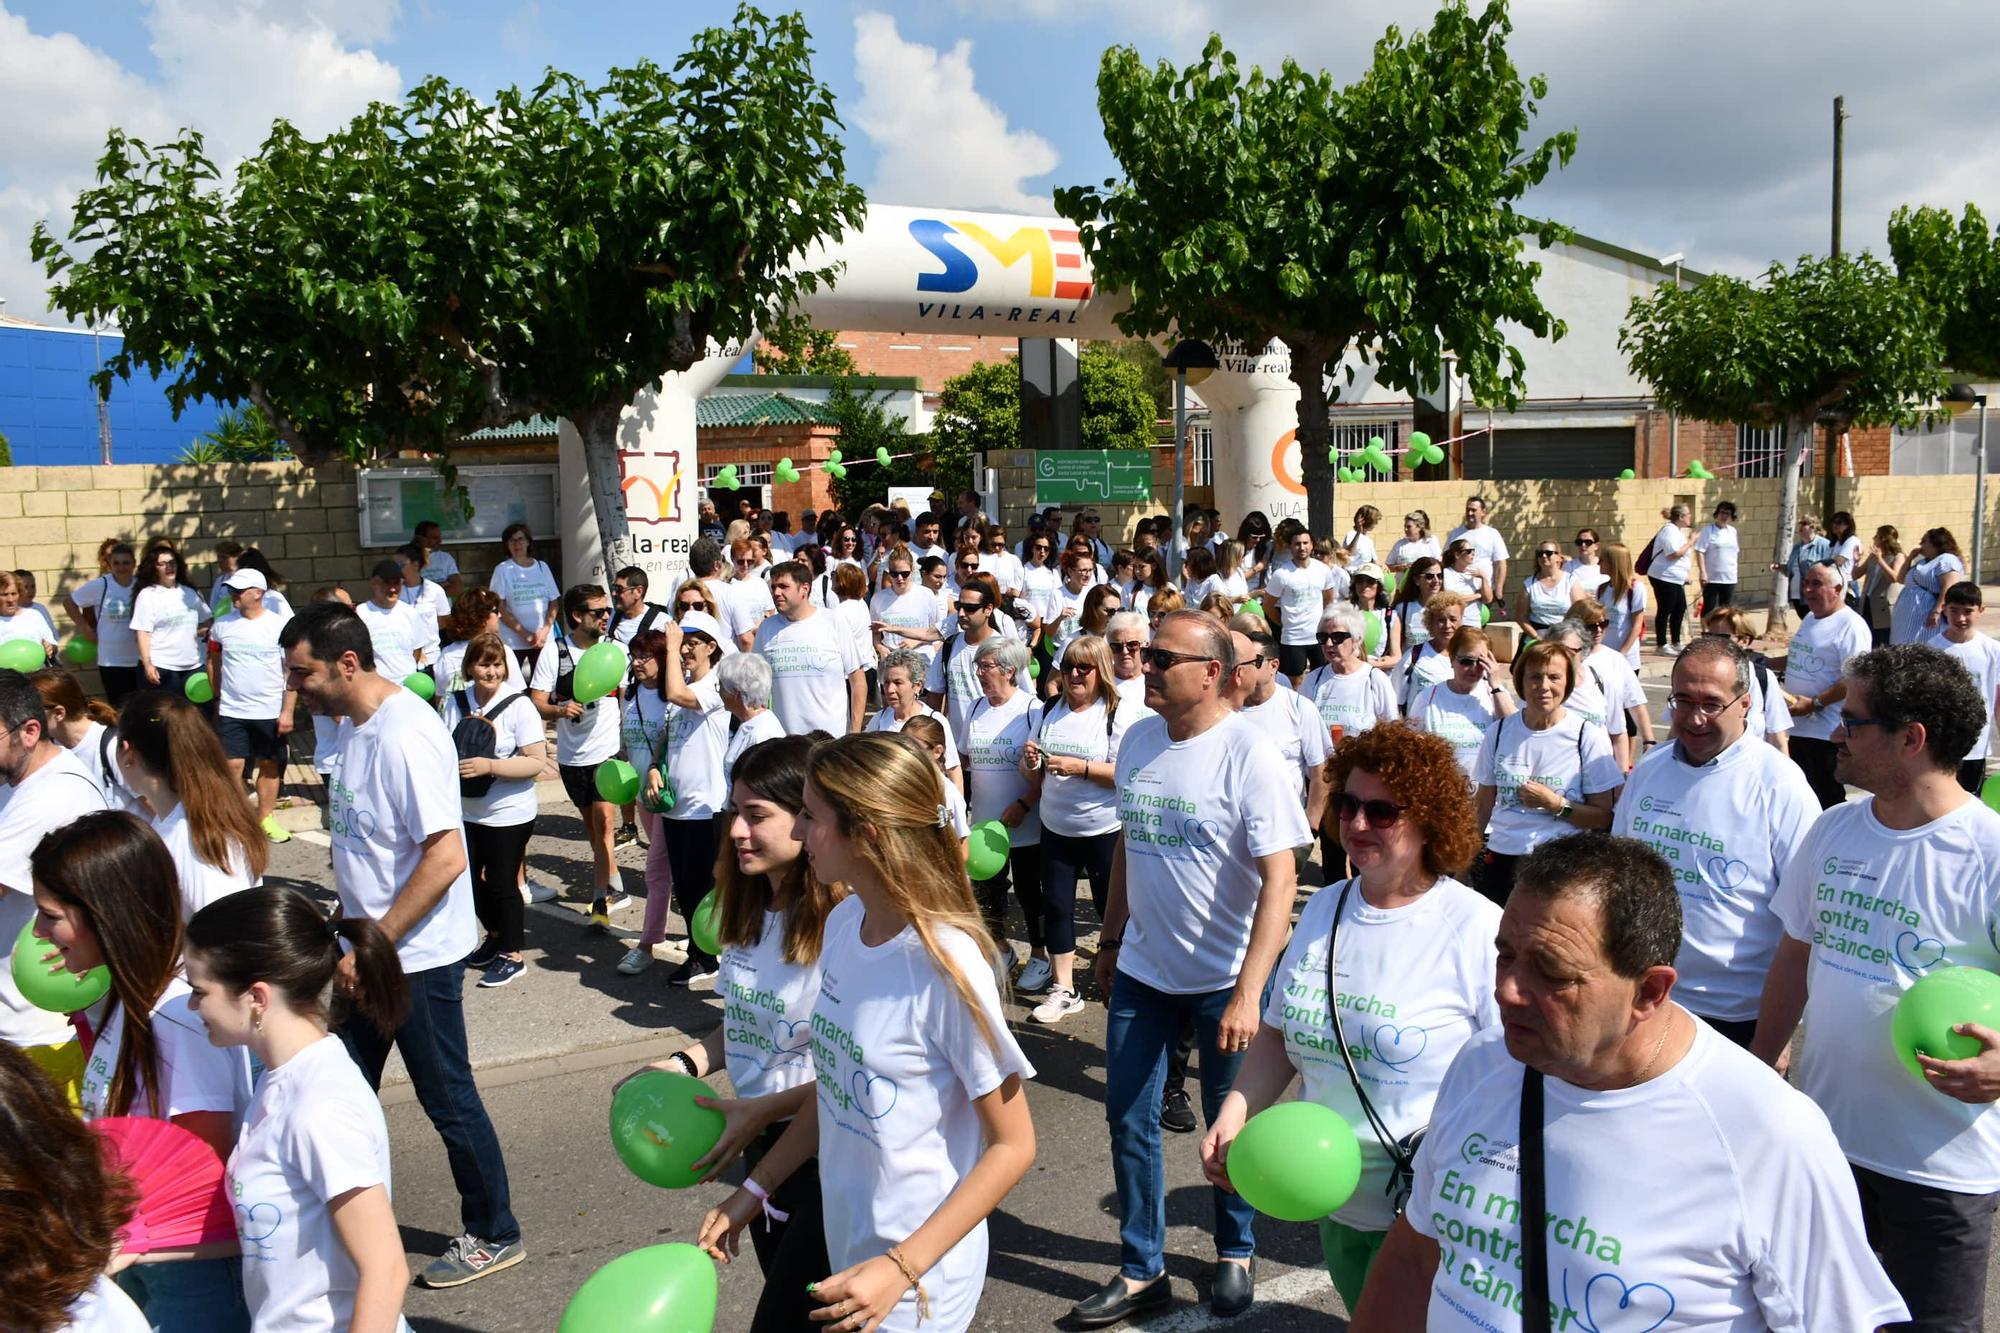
[{"x": 1055, "y": 260}]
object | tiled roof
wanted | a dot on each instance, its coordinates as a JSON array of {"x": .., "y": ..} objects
[
  {"x": 534, "y": 428},
  {"x": 761, "y": 409}
]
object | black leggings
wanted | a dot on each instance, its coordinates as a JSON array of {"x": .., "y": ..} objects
[
  {"x": 1023, "y": 874},
  {"x": 1717, "y": 594},
  {"x": 691, "y": 847},
  {"x": 1815, "y": 759},
  {"x": 1493, "y": 875},
  {"x": 494, "y": 853},
  {"x": 1673, "y": 604},
  {"x": 1064, "y": 861},
  {"x": 792, "y": 1253},
  {"x": 118, "y": 683}
]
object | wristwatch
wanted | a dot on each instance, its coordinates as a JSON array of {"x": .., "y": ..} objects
[{"x": 1564, "y": 813}]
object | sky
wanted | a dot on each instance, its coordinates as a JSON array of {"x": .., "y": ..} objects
[{"x": 1704, "y": 125}]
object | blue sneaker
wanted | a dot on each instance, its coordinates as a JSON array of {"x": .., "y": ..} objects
[
  {"x": 469, "y": 1258},
  {"x": 503, "y": 971}
]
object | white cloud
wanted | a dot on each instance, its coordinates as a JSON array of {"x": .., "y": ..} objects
[{"x": 938, "y": 140}]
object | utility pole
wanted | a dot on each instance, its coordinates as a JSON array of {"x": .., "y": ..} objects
[{"x": 1828, "y": 502}]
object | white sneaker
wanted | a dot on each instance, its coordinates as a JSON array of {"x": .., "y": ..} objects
[
  {"x": 636, "y": 960},
  {"x": 535, "y": 892},
  {"x": 615, "y": 901},
  {"x": 1035, "y": 977},
  {"x": 1060, "y": 1005}
]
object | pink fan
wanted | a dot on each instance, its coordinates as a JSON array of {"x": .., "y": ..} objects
[{"x": 183, "y": 1199}]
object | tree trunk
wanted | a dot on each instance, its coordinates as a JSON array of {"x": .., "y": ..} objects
[
  {"x": 1309, "y": 373},
  {"x": 598, "y": 428},
  {"x": 1798, "y": 433}
]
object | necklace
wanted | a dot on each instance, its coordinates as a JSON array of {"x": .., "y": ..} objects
[{"x": 1658, "y": 1046}]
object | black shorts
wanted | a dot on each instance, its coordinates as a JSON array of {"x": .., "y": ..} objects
[
  {"x": 1295, "y": 659},
  {"x": 251, "y": 738},
  {"x": 580, "y": 781}
]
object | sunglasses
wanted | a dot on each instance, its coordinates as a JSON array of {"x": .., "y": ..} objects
[
  {"x": 1468, "y": 661},
  {"x": 1335, "y": 636},
  {"x": 899, "y": 573},
  {"x": 1381, "y": 814},
  {"x": 1123, "y": 646},
  {"x": 1586, "y": 541},
  {"x": 1548, "y": 554},
  {"x": 598, "y": 612},
  {"x": 963, "y": 607},
  {"x": 1080, "y": 668},
  {"x": 694, "y": 606},
  {"x": 1162, "y": 659}
]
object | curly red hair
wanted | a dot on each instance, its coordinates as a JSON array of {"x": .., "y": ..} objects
[{"x": 1422, "y": 775}]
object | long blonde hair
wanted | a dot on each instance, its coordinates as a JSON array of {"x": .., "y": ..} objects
[{"x": 884, "y": 792}]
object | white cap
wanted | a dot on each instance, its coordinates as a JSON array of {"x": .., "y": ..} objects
[
  {"x": 244, "y": 579},
  {"x": 701, "y": 622}
]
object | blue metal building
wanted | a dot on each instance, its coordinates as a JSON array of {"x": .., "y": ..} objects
[{"x": 48, "y": 408}]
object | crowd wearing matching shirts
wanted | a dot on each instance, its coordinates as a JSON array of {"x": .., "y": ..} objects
[{"x": 1604, "y": 992}]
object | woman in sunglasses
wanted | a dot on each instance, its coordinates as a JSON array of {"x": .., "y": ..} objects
[
  {"x": 1583, "y": 566},
  {"x": 1421, "y": 581},
  {"x": 694, "y": 595},
  {"x": 1464, "y": 708},
  {"x": 1404, "y": 933},
  {"x": 1548, "y": 592},
  {"x": 1351, "y": 696}
]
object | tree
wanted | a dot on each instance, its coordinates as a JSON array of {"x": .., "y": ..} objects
[
  {"x": 1118, "y": 410},
  {"x": 1840, "y": 337},
  {"x": 1956, "y": 267},
  {"x": 241, "y": 435},
  {"x": 455, "y": 263},
  {"x": 865, "y": 426},
  {"x": 1159, "y": 383},
  {"x": 795, "y": 347},
  {"x": 1380, "y": 215},
  {"x": 979, "y": 411}
]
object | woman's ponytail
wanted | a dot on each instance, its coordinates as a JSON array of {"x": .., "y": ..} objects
[
  {"x": 380, "y": 994},
  {"x": 281, "y": 937}
]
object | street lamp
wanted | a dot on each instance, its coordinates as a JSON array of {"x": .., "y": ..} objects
[
  {"x": 1190, "y": 361},
  {"x": 1965, "y": 395},
  {"x": 1673, "y": 418}
]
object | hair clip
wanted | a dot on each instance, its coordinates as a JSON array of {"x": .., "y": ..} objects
[{"x": 943, "y": 816}]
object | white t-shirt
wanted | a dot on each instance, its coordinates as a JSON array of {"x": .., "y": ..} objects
[
  {"x": 253, "y": 665},
  {"x": 440, "y": 565},
  {"x": 916, "y": 609},
  {"x": 592, "y": 738},
  {"x": 105, "y": 1309},
  {"x": 1301, "y": 596},
  {"x": 28, "y": 623},
  {"x": 900, "y": 1060},
  {"x": 431, "y": 605},
  {"x": 1290, "y": 722},
  {"x": 115, "y": 645},
  {"x": 1882, "y": 907},
  {"x": 885, "y": 720},
  {"x": 1360, "y": 547},
  {"x": 529, "y": 591},
  {"x": 1076, "y": 807},
  {"x": 201, "y": 883},
  {"x": 1728, "y": 829},
  {"x": 53, "y": 795},
  {"x": 398, "y": 634},
  {"x": 395, "y": 783},
  {"x": 173, "y": 616},
  {"x": 1846, "y": 554},
  {"x": 1710, "y": 1197},
  {"x": 696, "y": 740},
  {"x": 1720, "y": 549},
  {"x": 811, "y": 660},
  {"x": 1619, "y": 613},
  {"x": 1586, "y": 576},
  {"x": 1196, "y": 815},
  {"x": 509, "y": 801},
  {"x": 1354, "y": 702},
  {"x": 1616, "y": 680},
  {"x": 1571, "y": 758},
  {"x": 1461, "y": 719},
  {"x": 958, "y": 684},
  {"x": 624, "y": 629},
  {"x": 1819, "y": 652},
  {"x": 1596, "y": 697},
  {"x": 763, "y": 726},
  {"x": 994, "y": 737},
  {"x": 195, "y": 1074},
  {"x": 954, "y": 805},
  {"x": 451, "y": 669},
  {"x": 1414, "y": 984},
  {"x": 314, "y": 1133},
  {"x": 767, "y": 1006},
  {"x": 1488, "y": 546},
  {"x": 853, "y": 613},
  {"x": 1465, "y": 585},
  {"x": 1980, "y": 656},
  {"x": 639, "y": 731},
  {"x": 1548, "y": 605},
  {"x": 1006, "y": 570},
  {"x": 1665, "y": 567},
  {"x": 1407, "y": 551},
  {"x": 745, "y": 603},
  {"x": 1423, "y": 666}
]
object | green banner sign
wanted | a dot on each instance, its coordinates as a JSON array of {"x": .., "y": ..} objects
[{"x": 1093, "y": 476}]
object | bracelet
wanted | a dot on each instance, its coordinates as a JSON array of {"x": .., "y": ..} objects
[
  {"x": 763, "y": 1198},
  {"x": 1104, "y": 944},
  {"x": 686, "y": 1062},
  {"x": 923, "y": 1297}
]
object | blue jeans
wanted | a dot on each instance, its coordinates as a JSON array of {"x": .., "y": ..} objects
[
  {"x": 432, "y": 1040},
  {"x": 1143, "y": 1025},
  {"x": 191, "y": 1296}
]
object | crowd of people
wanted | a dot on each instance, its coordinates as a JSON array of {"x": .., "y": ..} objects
[{"x": 1578, "y": 931}]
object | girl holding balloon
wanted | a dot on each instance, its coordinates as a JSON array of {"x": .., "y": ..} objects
[
  {"x": 919, "y": 1094},
  {"x": 105, "y": 896},
  {"x": 309, "y": 1176}
]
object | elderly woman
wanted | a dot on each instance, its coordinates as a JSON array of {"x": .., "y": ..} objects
[
  {"x": 1075, "y": 753},
  {"x": 1543, "y": 772},
  {"x": 1126, "y": 635},
  {"x": 999, "y": 726},
  {"x": 1426, "y": 663},
  {"x": 903, "y": 698},
  {"x": 1410, "y": 984},
  {"x": 1464, "y": 708}
]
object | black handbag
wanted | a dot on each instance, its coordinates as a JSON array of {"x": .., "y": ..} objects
[{"x": 1402, "y": 1151}]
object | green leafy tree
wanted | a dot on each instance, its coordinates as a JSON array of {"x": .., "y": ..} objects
[
  {"x": 1159, "y": 382},
  {"x": 795, "y": 347},
  {"x": 1840, "y": 338},
  {"x": 1955, "y": 265},
  {"x": 1118, "y": 411},
  {"x": 1380, "y": 215},
  {"x": 865, "y": 426},
  {"x": 979, "y": 411},
  {"x": 454, "y": 262},
  {"x": 6, "y": 452},
  {"x": 241, "y": 435}
]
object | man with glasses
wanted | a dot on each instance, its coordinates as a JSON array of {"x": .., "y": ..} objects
[
  {"x": 632, "y": 615},
  {"x": 818, "y": 680},
  {"x": 1883, "y": 891},
  {"x": 1489, "y": 549},
  {"x": 395, "y": 627},
  {"x": 587, "y": 734},
  {"x": 1090, "y": 527},
  {"x": 1202, "y": 884},
  {"x": 1728, "y": 813},
  {"x": 904, "y": 613},
  {"x": 1809, "y": 548},
  {"x": 952, "y": 686},
  {"x": 1828, "y": 638}
]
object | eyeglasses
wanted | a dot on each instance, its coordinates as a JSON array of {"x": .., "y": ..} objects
[
  {"x": 1335, "y": 636},
  {"x": 990, "y": 664},
  {"x": 1546, "y": 554},
  {"x": 1124, "y": 646},
  {"x": 1681, "y": 704},
  {"x": 1468, "y": 661},
  {"x": 1163, "y": 659},
  {"x": 967, "y": 564},
  {"x": 1849, "y": 722},
  {"x": 898, "y": 573},
  {"x": 1088, "y": 518},
  {"x": 1080, "y": 668},
  {"x": 1381, "y": 814},
  {"x": 1586, "y": 541},
  {"x": 597, "y": 612},
  {"x": 1040, "y": 546},
  {"x": 1432, "y": 577},
  {"x": 1254, "y": 663},
  {"x": 694, "y": 606}
]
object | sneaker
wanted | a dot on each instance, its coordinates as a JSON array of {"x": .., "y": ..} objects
[
  {"x": 627, "y": 835},
  {"x": 636, "y": 960},
  {"x": 535, "y": 892},
  {"x": 705, "y": 980},
  {"x": 1176, "y": 1112},
  {"x": 468, "y": 1259},
  {"x": 615, "y": 901},
  {"x": 482, "y": 958},
  {"x": 273, "y": 830},
  {"x": 688, "y": 974},
  {"x": 503, "y": 971},
  {"x": 1035, "y": 977},
  {"x": 600, "y": 914},
  {"x": 1060, "y": 1005}
]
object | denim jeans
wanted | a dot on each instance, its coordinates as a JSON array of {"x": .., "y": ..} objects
[
  {"x": 1143, "y": 1025},
  {"x": 189, "y": 1296},
  {"x": 432, "y": 1040}
]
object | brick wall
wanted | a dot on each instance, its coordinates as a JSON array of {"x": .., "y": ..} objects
[
  {"x": 931, "y": 358},
  {"x": 1714, "y": 443},
  {"x": 806, "y": 446}
]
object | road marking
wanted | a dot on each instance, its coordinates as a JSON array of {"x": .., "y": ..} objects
[
  {"x": 313, "y": 836},
  {"x": 1298, "y": 1285}
]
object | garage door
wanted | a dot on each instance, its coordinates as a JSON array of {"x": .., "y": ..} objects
[{"x": 1595, "y": 452}]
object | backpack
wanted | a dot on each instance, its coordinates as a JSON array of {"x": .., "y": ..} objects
[
  {"x": 475, "y": 737},
  {"x": 1645, "y": 561}
]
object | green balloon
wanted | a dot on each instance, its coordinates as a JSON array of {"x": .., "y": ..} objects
[
  {"x": 1333, "y": 456},
  {"x": 836, "y": 470},
  {"x": 1296, "y": 1161},
  {"x": 599, "y": 671},
  {"x": 986, "y": 850},
  {"x": 1419, "y": 441},
  {"x": 61, "y": 991},
  {"x": 1937, "y": 1003},
  {"x": 1034, "y": 668},
  {"x": 617, "y": 781},
  {"x": 785, "y": 471},
  {"x": 1377, "y": 442},
  {"x": 833, "y": 455},
  {"x": 1485, "y": 613},
  {"x": 1989, "y": 792},
  {"x": 22, "y": 655},
  {"x": 705, "y": 926},
  {"x": 199, "y": 688},
  {"x": 1377, "y": 459},
  {"x": 1435, "y": 454},
  {"x": 1255, "y": 607},
  {"x": 1374, "y": 636},
  {"x": 660, "y": 1289},
  {"x": 725, "y": 478},
  {"x": 659, "y": 1132},
  {"x": 421, "y": 684},
  {"x": 80, "y": 651},
  {"x": 882, "y": 454},
  {"x": 1627, "y": 475}
]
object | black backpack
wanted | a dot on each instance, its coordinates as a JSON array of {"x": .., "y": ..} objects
[{"x": 475, "y": 737}]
